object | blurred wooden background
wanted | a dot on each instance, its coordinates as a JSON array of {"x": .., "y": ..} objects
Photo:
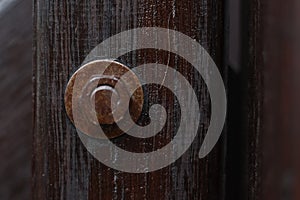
[{"x": 15, "y": 101}]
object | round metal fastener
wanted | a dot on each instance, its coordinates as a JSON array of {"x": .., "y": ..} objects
[{"x": 98, "y": 102}]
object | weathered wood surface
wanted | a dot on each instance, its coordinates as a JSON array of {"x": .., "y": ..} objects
[
  {"x": 253, "y": 60},
  {"x": 15, "y": 101},
  {"x": 65, "y": 32},
  {"x": 258, "y": 157}
]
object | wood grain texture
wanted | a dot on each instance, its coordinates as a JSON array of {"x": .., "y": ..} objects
[
  {"x": 253, "y": 59},
  {"x": 65, "y": 32},
  {"x": 15, "y": 101}
]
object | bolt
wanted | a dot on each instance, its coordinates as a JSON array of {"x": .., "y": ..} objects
[{"x": 98, "y": 101}]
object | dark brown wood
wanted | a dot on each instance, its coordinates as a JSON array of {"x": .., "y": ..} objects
[
  {"x": 258, "y": 58},
  {"x": 273, "y": 162},
  {"x": 15, "y": 101},
  {"x": 281, "y": 140},
  {"x": 65, "y": 32},
  {"x": 253, "y": 59}
]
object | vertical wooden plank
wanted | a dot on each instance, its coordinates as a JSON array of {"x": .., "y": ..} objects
[
  {"x": 281, "y": 139},
  {"x": 15, "y": 101},
  {"x": 274, "y": 62},
  {"x": 254, "y": 61},
  {"x": 65, "y": 32}
]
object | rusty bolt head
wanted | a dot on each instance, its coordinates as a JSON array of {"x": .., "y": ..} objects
[{"x": 98, "y": 99}]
